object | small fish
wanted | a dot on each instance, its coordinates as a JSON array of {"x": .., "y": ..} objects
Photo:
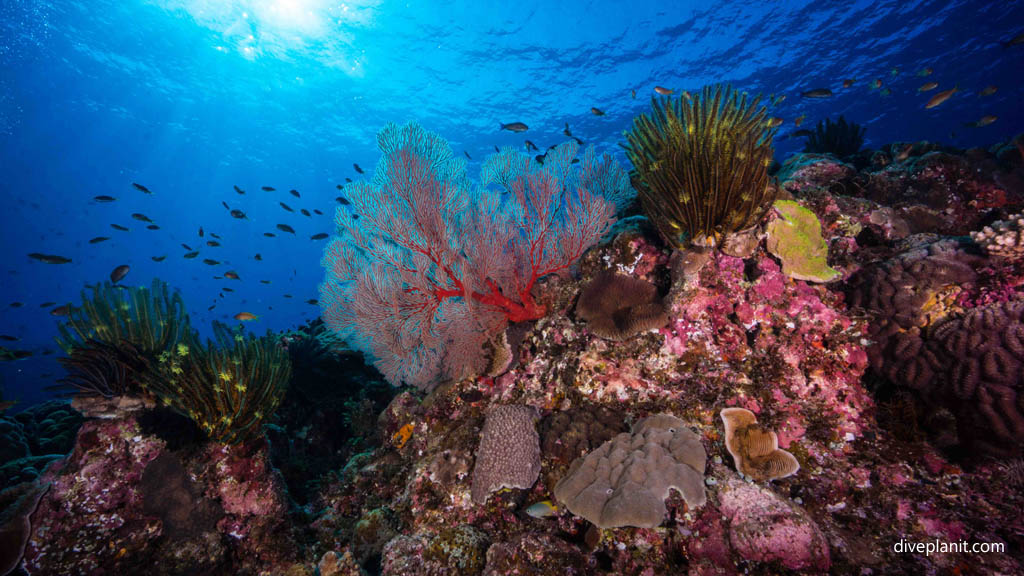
[
  {"x": 596, "y": 111},
  {"x": 530, "y": 146},
  {"x": 141, "y": 217},
  {"x": 940, "y": 97},
  {"x": 269, "y": 234},
  {"x": 1018, "y": 39},
  {"x": 200, "y": 231},
  {"x": 61, "y": 310},
  {"x": 152, "y": 227},
  {"x": 342, "y": 200},
  {"x": 212, "y": 235},
  {"x": 287, "y": 295},
  {"x": 895, "y": 71},
  {"x": 349, "y": 180},
  {"x": 496, "y": 149},
  {"x": 357, "y": 168},
  {"x": 141, "y": 188},
  {"x": 158, "y": 258},
  {"x": 47, "y": 304},
  {"x": 817, "y": 93},
  {"x": 513, "y": 127},
  {"x": 245, "y": 316},
  {"x": 192, "y": 255},
  {"x": 340, "y": 186},
  {"x": 984, "y": 121},
  {"x": 928, "y": 86},
  {"x": 104, "y": 198},
  {"x": 236, "y": 213},
  {"x": 988, "y": 90},
  {"x": 231, "y": 275},
  {"x": 225, "y": 204},
  {"x": 632, "y": 93},
  {"x": 186, "y": 246},
  {"x": 567, "y": 132},
  {"x": 267, "y": 188},
  {"x": 886, "y": 91},
  {"x": 212, "y": 243},
  {"x": 119, "y": 227},
  {"x": 779, "y": 100},
  {"x": 773, "y": 122},
  {"x": 264, "y": 281},
  {"x": 294, "y": 192},
  {"x": 317, "y": 212},
  {"x": 305, "y": 212},
  {"x": 7, "y": 338},
  {"x": 663, "y": 91},
  {"x": 540, "y": 158},
  {"x": 258, "y": 257},
  {"x": 212, "y": 306},
  {"x": 312, "y": 301},
  {"x": 118, "y": 274},
  {"x": 226, "y": 289},
  {"x": 239, "y": 190},
  {"x": 210, "y": 262},
  {"x": 467, "y": 154},
  {"x": 99, "y": 239},
  {"x": 16, "y": 304},
  {"x": 876, "y": 83},
  {"x": 542, "y": 509},
  {"x": 286, "y": 228},
  {"x": 848, "y": 82},
  {"x": 319, "y": 236},
  {"x": 49, "y": 258},
  {"x": 799, "y": 120},
  {"x": 924, "y": 72}
]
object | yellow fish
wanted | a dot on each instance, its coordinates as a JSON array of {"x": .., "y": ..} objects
[{"x": 542, "y": 509}]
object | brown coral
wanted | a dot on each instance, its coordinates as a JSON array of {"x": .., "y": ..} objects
[
  {"x": 618, "y": 307},
  {"x": 755, "y": 450},
  {"x": 509, "y": 451},
  {"x": 981, "y": 376},
  {"x": 626, "y": 480},
  {"x": 568, "y": 435}
]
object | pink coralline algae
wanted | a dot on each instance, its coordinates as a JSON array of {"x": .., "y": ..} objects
[{"x": 765, "y": 528}]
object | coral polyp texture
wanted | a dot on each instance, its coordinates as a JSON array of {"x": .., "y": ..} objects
[
  {"x": 754, "y": 450},
  {"x": 434, "y": 267},
  {"x": 840, "y": 138},
  {"x": 618, "y": 307},
  {"x": 700, "y": 165},
  {"x": 626, "y": 480},
  {"x": 509, "y": 451}
]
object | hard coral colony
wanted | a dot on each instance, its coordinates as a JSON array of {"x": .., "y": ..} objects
[{"x": 751, "y": 376}]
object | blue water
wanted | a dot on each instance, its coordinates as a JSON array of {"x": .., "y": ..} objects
[{"x": 192, "y": 97}]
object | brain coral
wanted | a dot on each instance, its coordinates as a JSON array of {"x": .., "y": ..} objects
[
  {"x": 904, "y": 295},
  {"x": 626, "y": 480},
  {"x": 509, "y": 451},
  {"x": 981, "y": 376},
  {"x": 618, "y": 307}
]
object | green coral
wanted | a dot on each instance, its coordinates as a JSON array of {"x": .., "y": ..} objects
[
  {"x": 700, "y": 165},
  {"x": 795, "y": 239}
]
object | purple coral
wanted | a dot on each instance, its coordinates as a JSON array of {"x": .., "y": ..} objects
[{"x": 509, "y": 452}]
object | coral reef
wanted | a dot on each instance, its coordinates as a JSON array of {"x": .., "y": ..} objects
[
  {"x": 509, "y": 452},
  {"x": 1003, "y": 238},
  {"x": 617, "y": 307},
  {"x": 841, "y": 138},
  {"x": 700, "y": 165},
  {"x": 626, "y": 480}
]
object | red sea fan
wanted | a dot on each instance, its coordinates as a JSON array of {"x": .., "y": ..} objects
[{"x": 429, "y": 268}]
